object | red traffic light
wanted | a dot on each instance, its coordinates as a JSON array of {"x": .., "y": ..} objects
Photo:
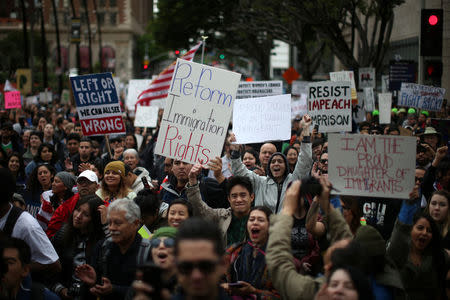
[
  {"x": 177, "y": 52},
  {"x": 145, "y": 67},
  {"x": 433, "y": 20},
  {"x": 430, "y": 70}
]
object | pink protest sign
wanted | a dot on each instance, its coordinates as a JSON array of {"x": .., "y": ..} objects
[{"x": 12, "y": 100}]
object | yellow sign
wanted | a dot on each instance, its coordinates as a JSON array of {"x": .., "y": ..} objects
[{"x": 23, "y": 80}]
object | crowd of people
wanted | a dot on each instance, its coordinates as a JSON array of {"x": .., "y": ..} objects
[{"x": 84, "y": 218}]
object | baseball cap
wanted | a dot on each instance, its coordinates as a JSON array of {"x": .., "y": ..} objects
[
  {"x": 89, "y": 175},
  {"x": 411, "y": 111}
]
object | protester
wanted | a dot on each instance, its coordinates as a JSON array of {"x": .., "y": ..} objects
[
  {"x": 291, "y": 154},
  {"x": 199, "y": 253},
  {"x": 438, "y": 209},
  {"x": 153, "y": 212},
  {"x": 247, "y": 271},
  {"x": 38, "y": 182},
  {"x": 250, "y": 159},
  {"x": 87, "y": 184},
  {"x": 72, "y": 144},
  {"x": 266, "y": 151},
  {"x": 113, "y": 185},
  {"x": 61, "y": 192},
  {"x": 32, "y": 150},
  {"x": 17, "y": 168},
  {"x": 270, "y": 189},
  {"x": 81, "y": 161},
  {"x": 75, "y": 243},
  {"x": 178, "y": 211}
]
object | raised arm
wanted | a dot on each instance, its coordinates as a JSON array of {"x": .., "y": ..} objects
[{"x": 304, "y": 161}]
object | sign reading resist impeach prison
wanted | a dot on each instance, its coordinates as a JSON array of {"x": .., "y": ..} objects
[
  {"x": 97, "y": 104},
  {"x": 330, "y": 106},
  {"x": 197, "y": 112}
]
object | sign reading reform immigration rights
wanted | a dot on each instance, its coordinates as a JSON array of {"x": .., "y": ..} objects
[
  {"x": 254, "y": 89},
  {"x": 97, "y": 104},
  {"x": 197, "y": 112},
  {"x": 257, "y": 120},
  {"x": 421, "y": 96},
  {"x": 330, "y": 106},
  {"x": 372, "y": 165}
]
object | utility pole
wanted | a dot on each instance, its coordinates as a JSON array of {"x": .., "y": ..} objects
[
  {"x": 77, "y": 45},
  {"x": 44, "y": 47}
]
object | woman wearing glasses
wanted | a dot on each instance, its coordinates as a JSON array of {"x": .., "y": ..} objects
[{"x": 247, "y": 273}]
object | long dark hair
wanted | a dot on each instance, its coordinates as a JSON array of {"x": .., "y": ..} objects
[
  {"x": 95, "y": 231},
  {"x": 33, "y": 184},
  {"x": 435, "y": 248},
  {"x": 360, "y": 281},
  {"x": 54, "y": 199},
  {"x": 21, "y": 172},
  {"x": 37, "y": 158},
  {"x": 267, "y": 211}
]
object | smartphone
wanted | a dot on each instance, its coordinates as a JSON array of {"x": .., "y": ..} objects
[{"x": 147, "y": 185}]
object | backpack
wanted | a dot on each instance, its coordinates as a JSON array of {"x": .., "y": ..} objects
[{"x": 13, "y": 216}]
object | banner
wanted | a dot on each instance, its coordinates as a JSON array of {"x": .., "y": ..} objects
[
  {"x": 197, "y": 113},
  {"x": 384, "y": 106},
  {"x": 12, "y": 100},
  {"x": 421, "y": 96},
  {"x": 346, "y": 76},
  {"x": 330, "y": 106},
  {"x": 253, "y": 89},
  {"x": 146, "y": 116},
  {"x": 372, "y": 165},
  {"x": 97, "y": 104},
  {"x": 366, "y": 78},
  {"x": 135, "y": 88},
  {"x": 257, "y": 120}
]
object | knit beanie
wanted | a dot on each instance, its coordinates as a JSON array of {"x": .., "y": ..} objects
[
  {"x": 165, "y": 232},
  {"x": 371, "y": 241},
  {"x": 116, "y": 166},
  {"x": 67, "y": 179}
]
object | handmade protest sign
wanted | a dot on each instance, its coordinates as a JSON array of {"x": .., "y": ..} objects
[
  {"x": 346, "y": 76},
  {"x": 146, "y": 116},
  {"x": 421, "y": 96},
  {"x": 366, "y": 77},
  {"x": 330, "y": 106},
  {"x": 299, "y": 107},
  {"x": 97, "y": 104},
  {"x": 372, "y": 165},
  {"x": 135, "y": 88},
  {"x": 12, "y": 100},
  {"x": 254, "y": 89},
  {"x": 384, "y": 106},
  {"x": 358, "y": 112},
  {"x": 299, "y": 87},
  {"x": 257, "y": 120},
  {"x": 369, "y": 99},
  {"x": 197, "y": 112}
]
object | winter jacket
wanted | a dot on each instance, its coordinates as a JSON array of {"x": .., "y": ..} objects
[
  {"x": 267, "y": 191},
  {"x": 61, "y": 215},
  {"x": 138, "y": 185},
  {"x": 279, "y": 259}
]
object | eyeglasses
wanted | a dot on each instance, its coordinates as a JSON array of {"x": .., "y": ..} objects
[
  {"x": 324, "y": 161},
  {"x": 168, "y": 242},
  {"x": 204, "y": 266}
]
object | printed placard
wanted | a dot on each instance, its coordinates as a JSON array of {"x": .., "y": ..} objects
[
  {"x": 421, "y": 96},
  {"x": 146, "y": 116},
  {"x": 135, "y": 88},
  {"x": 346, "y": 76},
  {"x": 254, "y": 89},
  {"x": 197, "y": 113},
  {"x": 12, "y": 100},
  {"x": 372, "y": 165},
  {"x": 257, "y": 120},
  {"x": 366, "y": 78},
  {"x": 330, "y": 106},
  {"x": 97, "y": 104},
  {"x": 384, "y": 105}
]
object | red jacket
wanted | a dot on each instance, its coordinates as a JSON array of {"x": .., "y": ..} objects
[{"x": 61, "y": 214}]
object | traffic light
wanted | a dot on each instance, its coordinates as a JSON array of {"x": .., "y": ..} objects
[
  {"x": 431, "y": 32},
  {"x": 433, "y": 72},
  {"x": 177, "y": 53}
]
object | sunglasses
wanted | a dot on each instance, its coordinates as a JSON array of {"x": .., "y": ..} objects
[
  {"x": 324, "y": 161},
  {"x": 204, "y": 266},
  {"x": 168, "y": 242}
]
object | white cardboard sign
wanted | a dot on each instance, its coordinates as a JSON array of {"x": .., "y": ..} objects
[
  {"x": 384, "y": 105},
  {"x": 366, "y": 78},
  {"x": 252, "y": 89},
  {"x": 346, "y": 76},
  {"x": 135, "y": 88},
  {"x": 197, "y": 112},
  {"x": 369, "y": 99},
  {"x": 330, "y": 106},
  {"x": 299, "y": 107},
  {"x": 257, "y": 120},
  {"x": 372, "y": 165},
  {"x": 146, "y": 116}
]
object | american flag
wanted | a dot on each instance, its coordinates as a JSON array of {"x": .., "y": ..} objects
[{"x": 159, "y": 87}]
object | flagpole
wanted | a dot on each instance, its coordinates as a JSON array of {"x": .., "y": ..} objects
[{"x": 204, "y": 37}]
